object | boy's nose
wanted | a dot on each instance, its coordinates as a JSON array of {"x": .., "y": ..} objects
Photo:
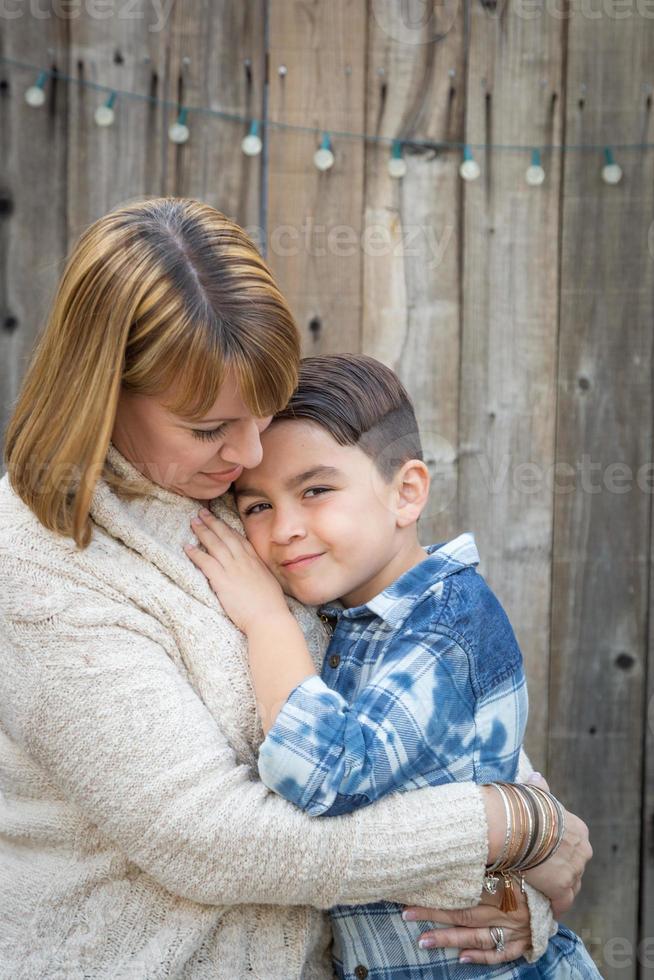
[{"x": 287, "y": 528}]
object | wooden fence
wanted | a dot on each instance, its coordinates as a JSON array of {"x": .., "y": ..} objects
[{"x": 519, "y": 317}]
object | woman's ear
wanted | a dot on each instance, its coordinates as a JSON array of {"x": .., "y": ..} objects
[{"x": 412, "y": 482}]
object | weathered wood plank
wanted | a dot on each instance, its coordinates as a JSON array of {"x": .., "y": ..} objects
[
  {"x": 112, "y": 164},
  {"x": 411, "y": 241},
  {"x": 510, "y": 295},
  {"x": 604, "y": 433},
  {"x": 33, "y": 176},
  {"x": 217, "y": 59},
  {"x": 646, "y": 911},
  {"x": 314, "y": 218}
]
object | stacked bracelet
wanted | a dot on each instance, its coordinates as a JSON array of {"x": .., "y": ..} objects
[{"x": 535, "y": 825}]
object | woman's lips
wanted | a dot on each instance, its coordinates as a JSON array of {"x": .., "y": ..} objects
[
  {"x": 226, "y": 474},
  {"x": 301, "y": 562}
]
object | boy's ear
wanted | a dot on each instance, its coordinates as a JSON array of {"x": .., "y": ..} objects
[{"x": 412, "y": 482}]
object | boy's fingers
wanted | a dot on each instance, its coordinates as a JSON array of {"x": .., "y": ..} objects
[
  {"x": 212, "y": 541},
  {"x": 230, "y": 538},
  {"x": 206, "y": 563}
]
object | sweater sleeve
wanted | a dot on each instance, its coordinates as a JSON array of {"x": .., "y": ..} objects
[{"x": 94, "y": 698}]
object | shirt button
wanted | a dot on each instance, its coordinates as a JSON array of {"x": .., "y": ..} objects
[
  {"x": 329, "y": 622},
  {"x": 360, "y": 972},
  {"x": 334, "y": 660}
]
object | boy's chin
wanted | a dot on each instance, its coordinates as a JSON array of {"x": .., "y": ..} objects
[{"x": 311, "y": 596}]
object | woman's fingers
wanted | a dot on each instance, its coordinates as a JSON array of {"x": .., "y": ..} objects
[
  {"x": 512, "y": 951},
  {"x": 480, "y": 916},
  {"x": 456, "y": 938}
]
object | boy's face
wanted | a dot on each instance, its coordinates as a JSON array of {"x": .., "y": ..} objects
[{"x": 318, "y": 514}]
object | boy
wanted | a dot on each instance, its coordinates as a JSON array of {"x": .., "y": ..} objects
[{"x": 423, "y": 680}]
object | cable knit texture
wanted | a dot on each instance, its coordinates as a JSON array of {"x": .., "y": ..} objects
[{"x": 136, "y": 840}]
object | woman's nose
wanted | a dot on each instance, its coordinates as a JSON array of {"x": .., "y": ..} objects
[{"x": 243, "y": 446}]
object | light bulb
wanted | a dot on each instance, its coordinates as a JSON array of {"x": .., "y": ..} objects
[
  {"x": 323, "y": 158},
  {"x": 396, "y": 165},
  {"x": 251, "y": 144},
  {"x": 611, "y": 171},
  {"x": 469, "y": 168},
  {"x": 179, "y": 131},
  {"x": 35, "y": 94},
  {"x": 104, "y": 114},
  {"x": 535, "y": 173}
]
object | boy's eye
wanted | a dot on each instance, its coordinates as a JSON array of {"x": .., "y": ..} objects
[
  {"x": 209, "y": 433},
  {"x": 317, "y": 490},
  {"x": 254, "y": 509}
]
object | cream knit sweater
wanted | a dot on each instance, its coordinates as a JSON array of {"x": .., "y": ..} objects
[{"x": 136, "y": 840}]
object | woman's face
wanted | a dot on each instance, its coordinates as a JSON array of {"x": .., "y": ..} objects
[{"x": 195, "y": 459}]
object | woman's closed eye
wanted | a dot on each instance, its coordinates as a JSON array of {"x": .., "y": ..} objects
[{"x": 209, "y": 433}]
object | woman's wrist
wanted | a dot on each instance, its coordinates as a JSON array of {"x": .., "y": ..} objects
[{"x": 496, "y": 820}]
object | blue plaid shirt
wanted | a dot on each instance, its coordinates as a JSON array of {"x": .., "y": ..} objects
[{"x": 421, "y": 685}]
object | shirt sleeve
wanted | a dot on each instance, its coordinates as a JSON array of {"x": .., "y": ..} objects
[{"x": 416, "y": 722}]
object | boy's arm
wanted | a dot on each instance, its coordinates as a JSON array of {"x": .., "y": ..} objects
[
  {"x": 252, "y": 598},
  {"x": 417, "y": 718}
]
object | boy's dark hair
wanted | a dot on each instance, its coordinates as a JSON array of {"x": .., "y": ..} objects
[{"x": 360, "y": 402}]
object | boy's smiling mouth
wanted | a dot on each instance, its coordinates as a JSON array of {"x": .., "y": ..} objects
[{"x": 301, "y": 561}]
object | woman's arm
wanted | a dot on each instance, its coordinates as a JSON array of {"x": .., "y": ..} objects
[{"x": 94, "y": 698}]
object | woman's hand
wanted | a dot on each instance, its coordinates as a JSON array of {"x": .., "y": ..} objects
[
  {"x": 247, "y": 591},
  {"x": 469, "y": 930},
  {"x": 558, "y": 878}
]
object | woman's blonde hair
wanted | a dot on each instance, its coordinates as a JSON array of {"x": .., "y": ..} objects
[{"x": 158, "y": 294}]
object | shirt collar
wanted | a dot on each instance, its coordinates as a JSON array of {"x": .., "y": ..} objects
[{"x": 395, "y": 603}]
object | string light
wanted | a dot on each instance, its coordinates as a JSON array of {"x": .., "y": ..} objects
[
  {"x": 179, "y": 131},
  {"x": 611, "y": 171},
  {"x": 35, "y": 94},
  {"x": 251, "y": 144},
  {"x": 397, "y": 165},
  {"x": 535, "y": 173},
  {"x": 324, "y": 155},
  {"x": 469, "y": 168},
  {"x": 104, "y": 114}
]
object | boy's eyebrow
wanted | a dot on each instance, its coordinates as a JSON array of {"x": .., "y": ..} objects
[{"x": 292, "y": 482}]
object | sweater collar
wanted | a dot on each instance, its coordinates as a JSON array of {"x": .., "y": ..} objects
[{"x": 157, "y": 524}]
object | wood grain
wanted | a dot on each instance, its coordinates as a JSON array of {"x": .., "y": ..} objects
[
  {"x": 510, "y": 297},
  {"x": 217, "y": 59},
  {"x": 112, "y": 165},
  {"x": 315, "y": 219},
  {"x": 411, "y": 228},
  {"x": 604, "y": 431},
  {"x": 33, "y": 192}
]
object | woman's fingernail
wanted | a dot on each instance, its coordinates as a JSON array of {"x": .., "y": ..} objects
[
  {"x": 196, "y": 520},
  {"x": 426, "y": 943},
  {"x": 465, "y": 959},
  {"x": 205, "y": 512},
  {"x": 535, "y": 776},
  {"x": 409, "y": 916}
]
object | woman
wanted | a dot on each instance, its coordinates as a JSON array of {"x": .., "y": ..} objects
[{"x": 137, "y": 840}]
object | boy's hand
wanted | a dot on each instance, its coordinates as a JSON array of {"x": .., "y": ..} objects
[{"x": 248, "y": 592}]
